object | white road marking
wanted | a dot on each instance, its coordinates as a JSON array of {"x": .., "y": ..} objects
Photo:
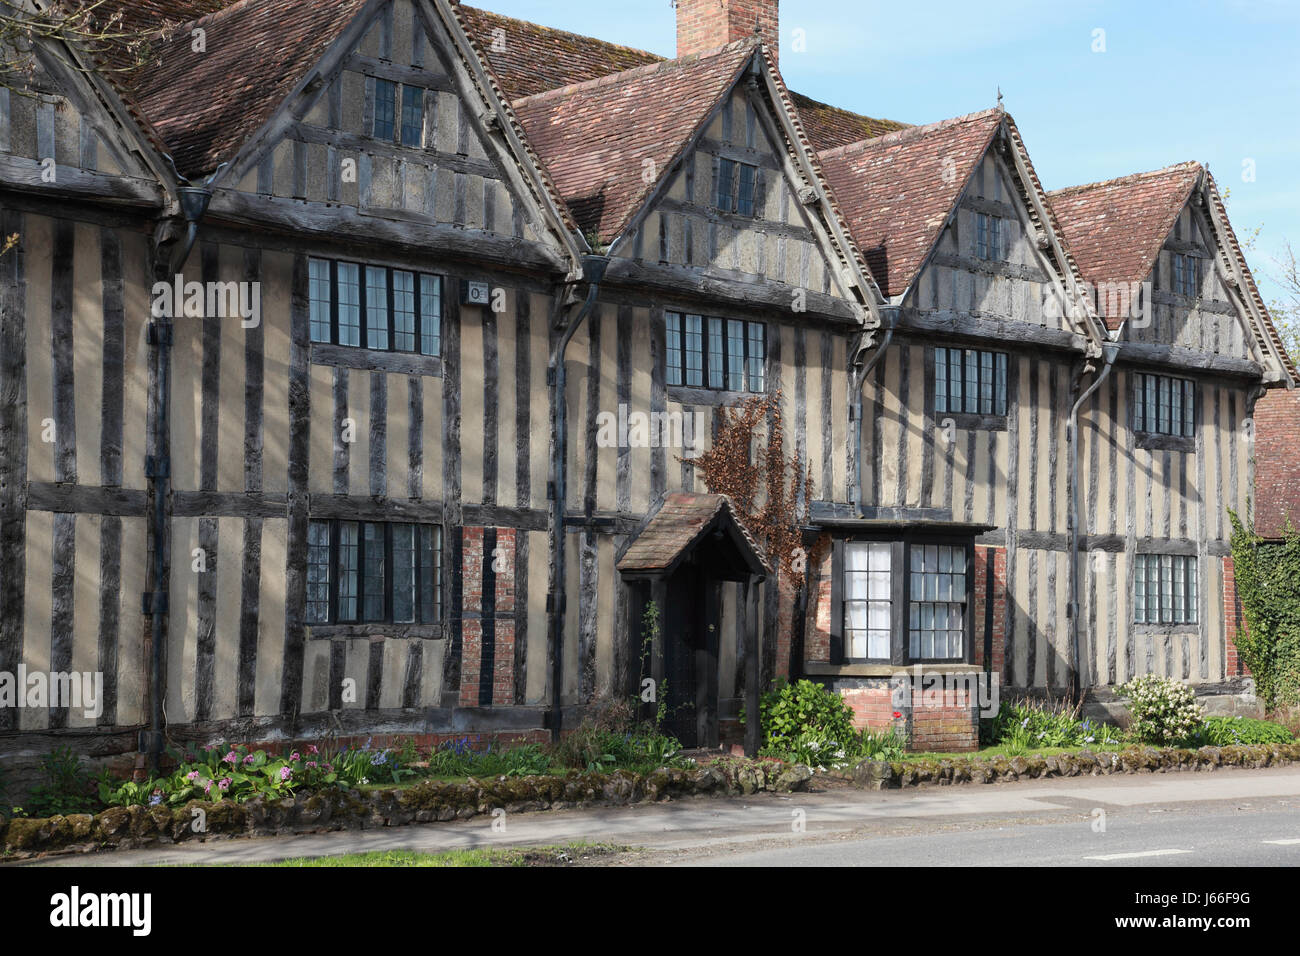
[
  {"x": 1133, "y": 856},
  {"x": 1283, "y": 842}
]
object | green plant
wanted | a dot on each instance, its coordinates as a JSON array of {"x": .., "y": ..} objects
[
  {"x": 790, "y": 710},
  {"x": 1164, "y": 710},
  {"x": 880, "y": 746},
  {"x": 1029, "y": 724},
  {"x": 1230, "y": 731},
  {"x": 1267, "y": 576},
  {"x": 118, "y": 793},
  {"x": 68, "y": 786}
]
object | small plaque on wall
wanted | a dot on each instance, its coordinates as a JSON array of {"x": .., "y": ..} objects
[{"x": 476, "y": 293}]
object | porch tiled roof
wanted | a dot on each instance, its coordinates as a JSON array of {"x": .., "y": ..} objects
[
  {"x": 897, "y": 190},
  {"x": 676, "y": 527}
]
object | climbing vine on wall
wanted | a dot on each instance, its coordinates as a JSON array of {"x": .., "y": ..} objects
[
  {"x": 1268, "y": 586},
  {"x": 769, "y": 489}
]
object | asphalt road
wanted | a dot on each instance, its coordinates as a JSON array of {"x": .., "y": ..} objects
[{"x": 1224, "y": 818}]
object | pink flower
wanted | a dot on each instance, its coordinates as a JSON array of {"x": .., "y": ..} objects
[
  {"x": 285, "y": 773},
  {"x": 311, "y": 765},
  {"x": 294, "y": 756},
  {"x": 224, "y": 783},
  {"x": 231, "y": 758},
  {"x": 192, "y": 776},
  {"x": 207, "y": 787},
  {"x": 311, "y": 749},
  {"x": 249, "y": 759}
]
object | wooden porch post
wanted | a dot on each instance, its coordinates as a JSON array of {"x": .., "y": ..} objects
[{"x": 753, "y": 663}]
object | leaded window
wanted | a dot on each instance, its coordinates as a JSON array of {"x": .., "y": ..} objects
[
  {"x": 1164, "y": 589},
  {"x": 367, "y": 571},
  {"x": 374, "y": 307},
  {"x": 970, "y": 381},
  {"x": 715, "y": 353}
]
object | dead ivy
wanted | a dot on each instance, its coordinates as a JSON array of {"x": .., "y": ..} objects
[{"x": 769, "y": 489}]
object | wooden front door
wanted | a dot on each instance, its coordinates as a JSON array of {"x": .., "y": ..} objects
[{"x": 690, "y": 636}]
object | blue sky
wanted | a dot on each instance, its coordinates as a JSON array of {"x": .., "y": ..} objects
[{"x": 1211, "y": 80}]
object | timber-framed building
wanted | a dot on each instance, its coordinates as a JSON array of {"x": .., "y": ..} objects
[{"x": 352, "y": 482}]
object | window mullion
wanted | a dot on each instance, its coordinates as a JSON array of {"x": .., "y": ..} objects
[
  {"x": 334, "y": 302},
  {"x": 392, "y": 313}
]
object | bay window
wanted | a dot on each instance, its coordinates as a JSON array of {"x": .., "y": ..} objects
[{"x": 899, "y": 601}]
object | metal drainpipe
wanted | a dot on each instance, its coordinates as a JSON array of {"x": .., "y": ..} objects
[
  {"x": 194, "y": 203},
  {"x": 859, "y": 380},
  {"x": 1110, "y": 351},
  {"x": 593, "y": 271}
]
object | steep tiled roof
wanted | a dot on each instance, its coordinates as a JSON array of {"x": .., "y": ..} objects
[
  {"x": 206, "y": 105},
  {"x": 897, "y": 190},
  {"x": 529, "y": 59},
  {"x": 677, "y": 526},
  {"x": 595, "y": 137},
  {"x": 829, "y": 126},
  {"x": 1115, "y": 228}
]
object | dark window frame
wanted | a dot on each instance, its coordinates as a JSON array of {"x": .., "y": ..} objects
[
  {"x": 901, "y": 597},
  {"x": 436, "y": 561},
  {"x": 1182, "y": 569},
  {"x": 741, "y": 188},
  {"x": 990, "y": 237},
  {"x": 705, "y": 354},
  {"x": 1186, "y": 275},
  {"x": 1153, "y": 413},
  {"x": 390, "y": 113},
  {"x": 996, "y": 374},
  {"x": 390, "y": 331}
]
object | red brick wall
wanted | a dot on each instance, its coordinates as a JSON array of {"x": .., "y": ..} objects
[
  {"x": 477, "y": 629},
  {"x": 999, "y": 598},
  {"x": 949, "y": 724},
  {"x": 817, "y": 619},
  {"x": 1277, "y": 466},
  {"x": 1233, "y": 621},
  {"x": 950, "y": 727},
  {"x": 873, "y": 709},
  {"x": 704, "y": 25}
]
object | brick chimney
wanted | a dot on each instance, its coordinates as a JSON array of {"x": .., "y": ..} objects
[{"x": 708, "y": 24}]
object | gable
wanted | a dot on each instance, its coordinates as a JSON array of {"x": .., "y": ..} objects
[
  {"x": 897, "y": 190},
  {"x": 689, "y": 224},
  {"x": 1202, "y": 316},
  {"x": 967, "y": 275},
  {"x": 388, "y": 124},
  {"x": 67, "y": 132}
]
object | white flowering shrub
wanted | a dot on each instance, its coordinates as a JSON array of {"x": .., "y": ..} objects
[{"x": 1164, "y": 710}]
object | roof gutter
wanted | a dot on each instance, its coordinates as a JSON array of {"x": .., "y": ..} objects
[{"x": 593, "y": 272}]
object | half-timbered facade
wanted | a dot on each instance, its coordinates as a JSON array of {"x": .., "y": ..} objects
[{"x": 355, "y": 389}]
